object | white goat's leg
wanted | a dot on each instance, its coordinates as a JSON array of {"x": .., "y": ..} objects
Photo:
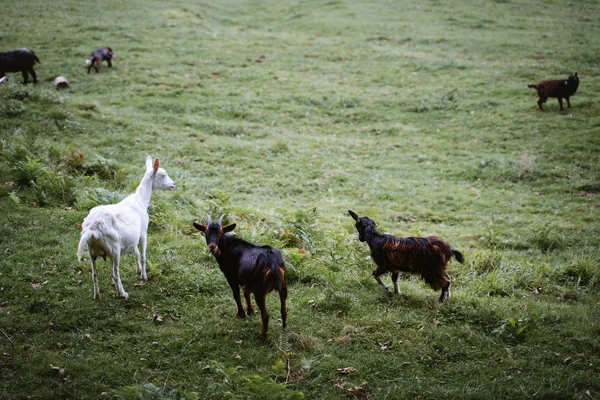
[
  {"x": 117, "y": 277},
  {"x": 138, "y": 261},
  {"x": 95, "y": 277},
  {"x": 143, "y": 245}
]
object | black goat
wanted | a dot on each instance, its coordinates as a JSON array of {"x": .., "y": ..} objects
[
  {"x": 559, "y": 88},
  {"x": 99, "y": 55},
  {"x": 424, "y": 256},
  {"x": 257, "y": 269},
  {"x": 21, "y": 60}
]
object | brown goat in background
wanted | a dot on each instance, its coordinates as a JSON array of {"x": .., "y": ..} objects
[
  {"x": 99, "y": 55},
  {"x": 561, "y": 89},
  {"x": 424, "y": 256}
]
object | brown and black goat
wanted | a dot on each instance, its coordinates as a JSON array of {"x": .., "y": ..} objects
[
  {"x": 21, "y": 60},
  {"x": 257, "y": 269},
  {"x": 424, "y": 256},
  {"x": 559, "y": 88},
  {"x": 99, "y": 55}
]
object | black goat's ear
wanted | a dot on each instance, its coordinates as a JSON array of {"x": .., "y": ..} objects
[
  {"x": 200, "y": 227},
  {"x": 228, "y": 228},
  {"x": 353, "y": 215}
]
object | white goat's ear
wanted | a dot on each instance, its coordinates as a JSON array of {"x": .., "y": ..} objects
[
  {"x": 156, "y": 165},
  {"x": 148, "y": 163},
  {"x": 200, "y": 227}
]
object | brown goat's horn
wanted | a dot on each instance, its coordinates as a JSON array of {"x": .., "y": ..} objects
[{"x": 221, "y": 219}]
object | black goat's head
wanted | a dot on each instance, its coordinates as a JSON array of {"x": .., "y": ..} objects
[
  {"x": 213, "y": 231},
  {"x": 363, "y": 225},
  {"x": 573, "y": 80}
]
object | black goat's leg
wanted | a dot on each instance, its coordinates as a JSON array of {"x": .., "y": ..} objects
[
  {"x": 395, "y": 276},
  {"x": 264, "y": 315},
  {"x": 568, "y": 102},
  {"x": 560, "y": 103},
  {"x": 282, "y": 299},
  {"x": 238, "y": 301},
  {"x": 249, "y": 309}
]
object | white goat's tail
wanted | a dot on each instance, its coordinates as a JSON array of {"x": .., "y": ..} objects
[{"x": 85, "y": 237}]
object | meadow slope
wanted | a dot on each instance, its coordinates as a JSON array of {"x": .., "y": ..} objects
[{"x": 284, "y": 115}]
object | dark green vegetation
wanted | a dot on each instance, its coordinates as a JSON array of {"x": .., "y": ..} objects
[{"x": 284, "y": 115}]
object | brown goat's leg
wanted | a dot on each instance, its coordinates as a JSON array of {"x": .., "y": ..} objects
[
  {"x": 445, "y": 291},
  {"x": 250, "y": 309},
  {"x": 264, "y": 315},
  {"x": 540, "y": 102},
  {"x": 376, "y": 274},
  {"x": 395, "y": 276}
]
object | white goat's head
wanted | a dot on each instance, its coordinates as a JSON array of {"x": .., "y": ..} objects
[{"x": 160, "y": 179}]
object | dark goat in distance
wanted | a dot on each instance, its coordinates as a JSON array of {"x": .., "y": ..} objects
[
  {"x": 424, "y": 256},
  {"x": 257, "y": 269},
  {"x": 21, "y": 60},
  {"x": 99, "y": 55},
  {"x": 559, "y": 88}
]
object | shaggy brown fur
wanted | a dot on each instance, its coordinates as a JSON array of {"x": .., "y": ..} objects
[
  {"x": 425, "y": 256},
  {"x": 561, "y": 89}
]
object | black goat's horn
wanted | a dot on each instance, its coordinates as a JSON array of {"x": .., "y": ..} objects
[
  {"x": 221, "y": 219},
  {"x": 209, "y": 220}
]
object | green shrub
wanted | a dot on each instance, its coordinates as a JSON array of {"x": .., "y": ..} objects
[
  {"x": 513, "y": 330},
  {"x": 35, "y": 180},
  {"x": 547, "y": 239},
  {"x": 232, "y": 383},
  {"x": 581, "y": 271},
  {"x": 337, "y": 302},
  {"x": 90, "y": 198},
  {"x": 484, "y": 261}
]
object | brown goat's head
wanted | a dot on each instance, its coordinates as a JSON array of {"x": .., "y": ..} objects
[
  {"x": 213, "y": 231},
  {"x": 363, "y": 225}
]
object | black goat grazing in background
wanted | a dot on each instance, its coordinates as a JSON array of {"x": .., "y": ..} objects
[
  {"x": 561, "y": 89},
  {"x": 21, "y": 60},
  {"x": 425, "y": 256},
  {"x": 257, "y": 269},
  {"x": 99, "y": 55}
]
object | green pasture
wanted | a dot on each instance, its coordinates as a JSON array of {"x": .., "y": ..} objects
[{"x": 283, "y": 115}]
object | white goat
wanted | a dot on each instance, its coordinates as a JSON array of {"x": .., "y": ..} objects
[{"x": 112, "y": 230}]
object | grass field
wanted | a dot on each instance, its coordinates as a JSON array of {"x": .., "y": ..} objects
[{"x": 284, "y": 115}]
